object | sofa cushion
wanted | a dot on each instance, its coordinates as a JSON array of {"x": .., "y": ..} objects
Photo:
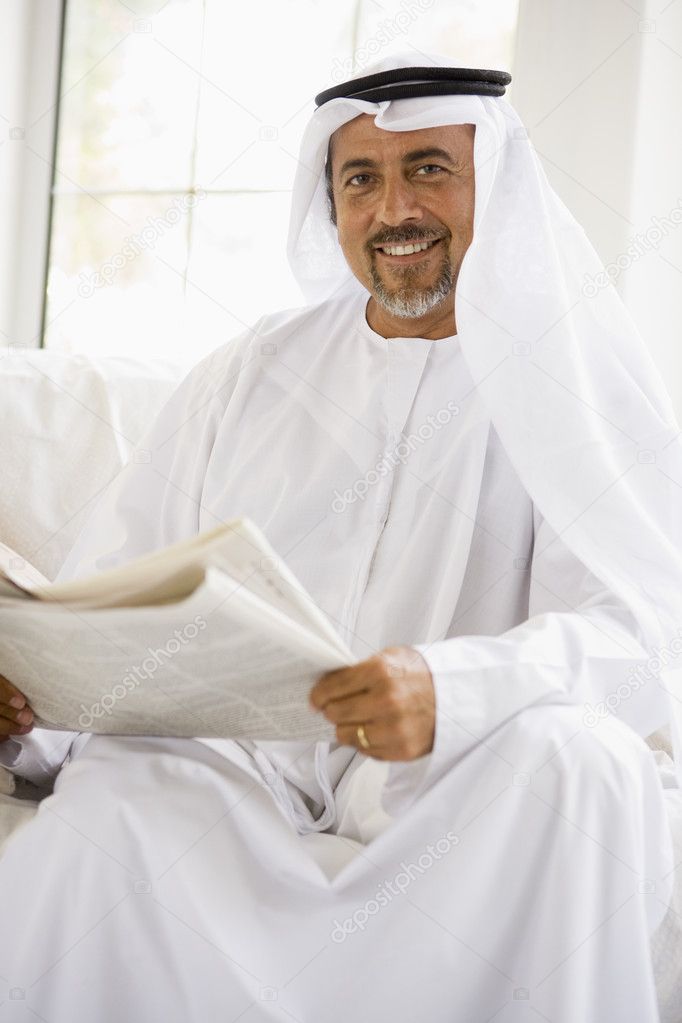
[{"x": 68, "y": 423}]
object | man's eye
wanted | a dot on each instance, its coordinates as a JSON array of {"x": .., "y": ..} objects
[
  {"x": 430, "y": 167},
  {"x": 356, "y": 179}
]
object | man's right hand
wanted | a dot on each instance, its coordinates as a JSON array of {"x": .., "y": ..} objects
[{"x": 16, "y": 717}]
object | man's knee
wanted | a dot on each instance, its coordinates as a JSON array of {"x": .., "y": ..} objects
[
  {"x": 603, "y": 783},
  {"x": 552, "y": 740}
]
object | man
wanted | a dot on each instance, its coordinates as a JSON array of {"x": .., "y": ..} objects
[{"x": 443, "y": 447}]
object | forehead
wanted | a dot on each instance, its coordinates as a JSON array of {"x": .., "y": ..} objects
[{"x": 361, "y": 138}]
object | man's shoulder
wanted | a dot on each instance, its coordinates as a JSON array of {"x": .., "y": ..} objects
[
  {"x": 292, "y": 322},
  {"x": 283, "y": 324},
  {"x": 270, "y": 335}
]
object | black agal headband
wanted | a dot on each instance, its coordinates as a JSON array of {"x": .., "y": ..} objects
[{"x": 409, "y": 82}]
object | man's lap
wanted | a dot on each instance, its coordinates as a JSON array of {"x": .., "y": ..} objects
[{"x": 165, "y": 838}]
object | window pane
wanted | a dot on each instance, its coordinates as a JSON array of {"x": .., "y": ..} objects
[
  {"x": 474, "y": 33},
  {"x": 116, "y": 278},
  {"x": 256, "y": 99},
  {"x": 238, "y": 269},
  {"x": 128, "y": 95}
]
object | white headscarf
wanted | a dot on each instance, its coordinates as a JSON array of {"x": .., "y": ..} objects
[{"x": 569, "y": 385}]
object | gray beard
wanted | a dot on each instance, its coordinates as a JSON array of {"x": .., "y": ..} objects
[{"x": 408, "y": 301}]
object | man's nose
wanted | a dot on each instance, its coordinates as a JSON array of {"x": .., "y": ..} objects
[{"x": 398, "y": 202}]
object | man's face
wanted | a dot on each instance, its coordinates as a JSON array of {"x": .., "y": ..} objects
[{"x": 411, "y": 188}]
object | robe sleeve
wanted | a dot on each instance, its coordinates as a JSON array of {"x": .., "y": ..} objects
[
  {"x": 154, "y": 501},
  {"x": 37, "y": 756},
  {"x": 579, "y": 645}
]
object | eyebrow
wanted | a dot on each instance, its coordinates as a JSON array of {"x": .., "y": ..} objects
[{"x": 433, "y": 152}]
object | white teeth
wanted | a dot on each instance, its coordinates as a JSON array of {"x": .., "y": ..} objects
[{"x": 407, "y": 250}]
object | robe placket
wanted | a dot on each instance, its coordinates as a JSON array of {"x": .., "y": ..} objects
[{"x": 405, "y": 363}]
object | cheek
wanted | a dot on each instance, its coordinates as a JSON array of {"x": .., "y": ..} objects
[
  {"x": 461, "y": 225},
  {"x": 354, "y": 223},
  {"x": 352, "y": 241}
]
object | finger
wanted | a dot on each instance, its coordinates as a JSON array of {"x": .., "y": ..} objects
[
  {"x": 9, "y": 694},
  {"x": 23, "y": 716},
  {"x": 378, "y": 735},
  {"x": 344, "y": 682},
  {"x": 356, "y": 709},
  {"x": 8, "y": 727},
  {"x": 390, "y": 740}
]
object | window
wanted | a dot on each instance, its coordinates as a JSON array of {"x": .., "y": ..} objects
[{"x": 177, "y": 141}]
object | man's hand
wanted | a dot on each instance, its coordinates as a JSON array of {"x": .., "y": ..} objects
[
  {"x": 391, "y": 695},
  {"x": 16, "y": 717}
]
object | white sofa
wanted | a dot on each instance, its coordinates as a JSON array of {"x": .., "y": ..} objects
[{"x": 68, "y": 424}]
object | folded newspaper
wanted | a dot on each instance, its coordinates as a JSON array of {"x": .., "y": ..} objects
[{"x": 210, "y": 637}]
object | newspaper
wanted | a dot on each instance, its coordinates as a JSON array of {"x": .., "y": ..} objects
[{"x": 210, "y": 638}]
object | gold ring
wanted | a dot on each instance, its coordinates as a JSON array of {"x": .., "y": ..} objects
[{"x": 362, "y": 738}]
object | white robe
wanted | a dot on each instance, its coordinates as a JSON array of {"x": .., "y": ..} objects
[{"x": 215, "y": 880}]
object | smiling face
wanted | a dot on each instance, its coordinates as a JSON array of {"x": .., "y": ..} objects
[{"x": 403, "y": 204}]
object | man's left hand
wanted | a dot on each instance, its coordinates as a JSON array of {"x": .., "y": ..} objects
[{"x": 391, "y": 695}]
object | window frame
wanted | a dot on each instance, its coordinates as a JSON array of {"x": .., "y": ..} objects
[{"x": 29, "y": 83}]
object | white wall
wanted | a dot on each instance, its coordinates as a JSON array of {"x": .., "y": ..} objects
[
  {"x": 29, "y": 49},
  {"x": 598, "y": 85},
  {"x": 652, "y": 287}
]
